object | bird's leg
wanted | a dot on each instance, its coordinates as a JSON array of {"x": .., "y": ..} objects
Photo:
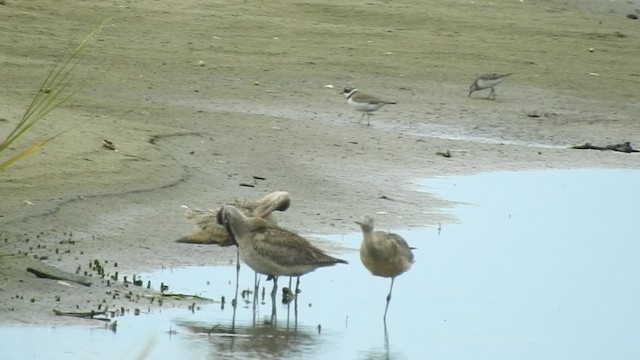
[
  {"x": 290, "y": 277},
  {"x": 256, "y": 282},
  {"x": 237, "y": 272},
  {"x": 273, "y": 300},
  {"x": 492, "y": 94},
  {"x": 362, "y": 117},
  {"x": 297, "y": 285},
  {"x": 235, "y": 299},
  {"x": 275, "y": 287},
  {"x": 368, "y": 119},
  {"x": 256, "y": 287},
  {"x": 295, "y": 310},
  {"x": 388, "y": 300}
]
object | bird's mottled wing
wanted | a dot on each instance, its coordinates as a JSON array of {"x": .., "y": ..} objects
[
  {"x": 494, "y": 76},
  {"x": 289, "y": 249},
  {"x": 401, "y": 245},
  {"x": 247, "y": 207},
  {"x": 362, "y": 97},
  {"x": 204, "y": 219}
]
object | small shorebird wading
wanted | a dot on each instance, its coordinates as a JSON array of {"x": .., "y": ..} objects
[
  {"x": 271, "y": 250},
  {"x": 486, "y": 81},
  {"x": 213, "y": 233},
  {"x": 384, "y": 254},
  {"x": 364, "y": 102}
]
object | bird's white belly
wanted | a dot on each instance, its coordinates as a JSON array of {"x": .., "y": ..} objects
[
  {"x": 484, "y": 83},
  {"x": 256, "y": 262},
  {"x": 364, "y": 106},
  {"x": 266, "y": 266}
]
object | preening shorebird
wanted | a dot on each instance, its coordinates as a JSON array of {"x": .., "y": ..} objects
[{"x": 213, "y": 233}]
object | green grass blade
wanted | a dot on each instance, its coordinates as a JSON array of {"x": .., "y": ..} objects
[{"x": 49, "y": 96}]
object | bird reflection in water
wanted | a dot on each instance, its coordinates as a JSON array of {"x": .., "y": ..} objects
[{"x": 262, "y": 335}]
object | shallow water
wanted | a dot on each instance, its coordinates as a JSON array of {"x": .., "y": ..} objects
[{"x": 543, "y": 264}]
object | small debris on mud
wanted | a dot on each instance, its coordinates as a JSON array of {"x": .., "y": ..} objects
[
  {"x": 446, "y": 154},
  {"x": 624, "y": 147},
  {"x": 108, "y": 144},
  {"x": 287, "y": 295}
]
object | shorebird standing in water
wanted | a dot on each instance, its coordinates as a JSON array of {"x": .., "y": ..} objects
[
  {"x": 213, "y": 233},
  {"x": 364, "y": 102},
  {"x": 486, "y": 81},
  {"x": 271, "y": 250},
  {"x": 384, "y": 254}
]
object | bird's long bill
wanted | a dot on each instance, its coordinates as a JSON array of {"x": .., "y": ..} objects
[{"x": 266, "y": 212}]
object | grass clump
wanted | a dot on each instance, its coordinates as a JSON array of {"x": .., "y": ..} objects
[{"x": 51, "y": 94}]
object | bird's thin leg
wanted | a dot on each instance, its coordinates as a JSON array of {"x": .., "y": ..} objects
[
  {"x": 273, "y": 300},
  {"x": 297, "y": 285},
  {"x": 368, "y": 119},
  {"x": 256, "y": 287},
  {"x": 362, "y": 117},
  {"x": 237, "y": 273},
  {"x": 492, "y": 94},
  {"x": 235, "y": 299},
  {"x": 295, "y": 310},
  {"x": 255, "y": 282},
  {"x": 275, "y": 287},
  {"x": 290, "y": 277},
  {"x": 388, "y": 300}
]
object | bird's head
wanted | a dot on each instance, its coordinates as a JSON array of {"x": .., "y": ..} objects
[
  {"x": 277, "y": 200},
  {"x": 366, "y": 223}
]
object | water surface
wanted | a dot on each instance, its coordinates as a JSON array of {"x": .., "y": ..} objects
[{"x": 542, "y": 264}]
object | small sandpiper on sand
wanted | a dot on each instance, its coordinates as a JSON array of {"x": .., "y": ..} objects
[{"x": 486, "y": 81}]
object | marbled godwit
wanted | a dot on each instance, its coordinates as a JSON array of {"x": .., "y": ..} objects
[
  {"x": 364, "y": 102},
  {"x": 486, "y": 81},
  {"x": 384, "y": 254},
  {"x": 213, "y": 233},
  {"x": 271, "y": 250}
]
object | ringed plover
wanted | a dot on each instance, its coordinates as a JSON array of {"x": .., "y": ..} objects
[{"x": 364, "y": 102}]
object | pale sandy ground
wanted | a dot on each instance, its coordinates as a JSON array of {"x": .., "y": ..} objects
[{"x": 189, "y": 133}]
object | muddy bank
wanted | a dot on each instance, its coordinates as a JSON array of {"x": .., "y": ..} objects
[{"x": 200, "y": 97}]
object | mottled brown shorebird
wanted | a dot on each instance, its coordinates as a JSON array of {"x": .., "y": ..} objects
[
  {"x": 384, "y": 254},
  {"x": 213, "y": 233},
  {"x": 271, "y": 250}
]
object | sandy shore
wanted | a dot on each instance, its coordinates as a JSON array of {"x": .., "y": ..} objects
[{"x": 201, "y": 97}]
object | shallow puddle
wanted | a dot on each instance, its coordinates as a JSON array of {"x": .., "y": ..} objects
[{"x": 542, "y": 264}]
